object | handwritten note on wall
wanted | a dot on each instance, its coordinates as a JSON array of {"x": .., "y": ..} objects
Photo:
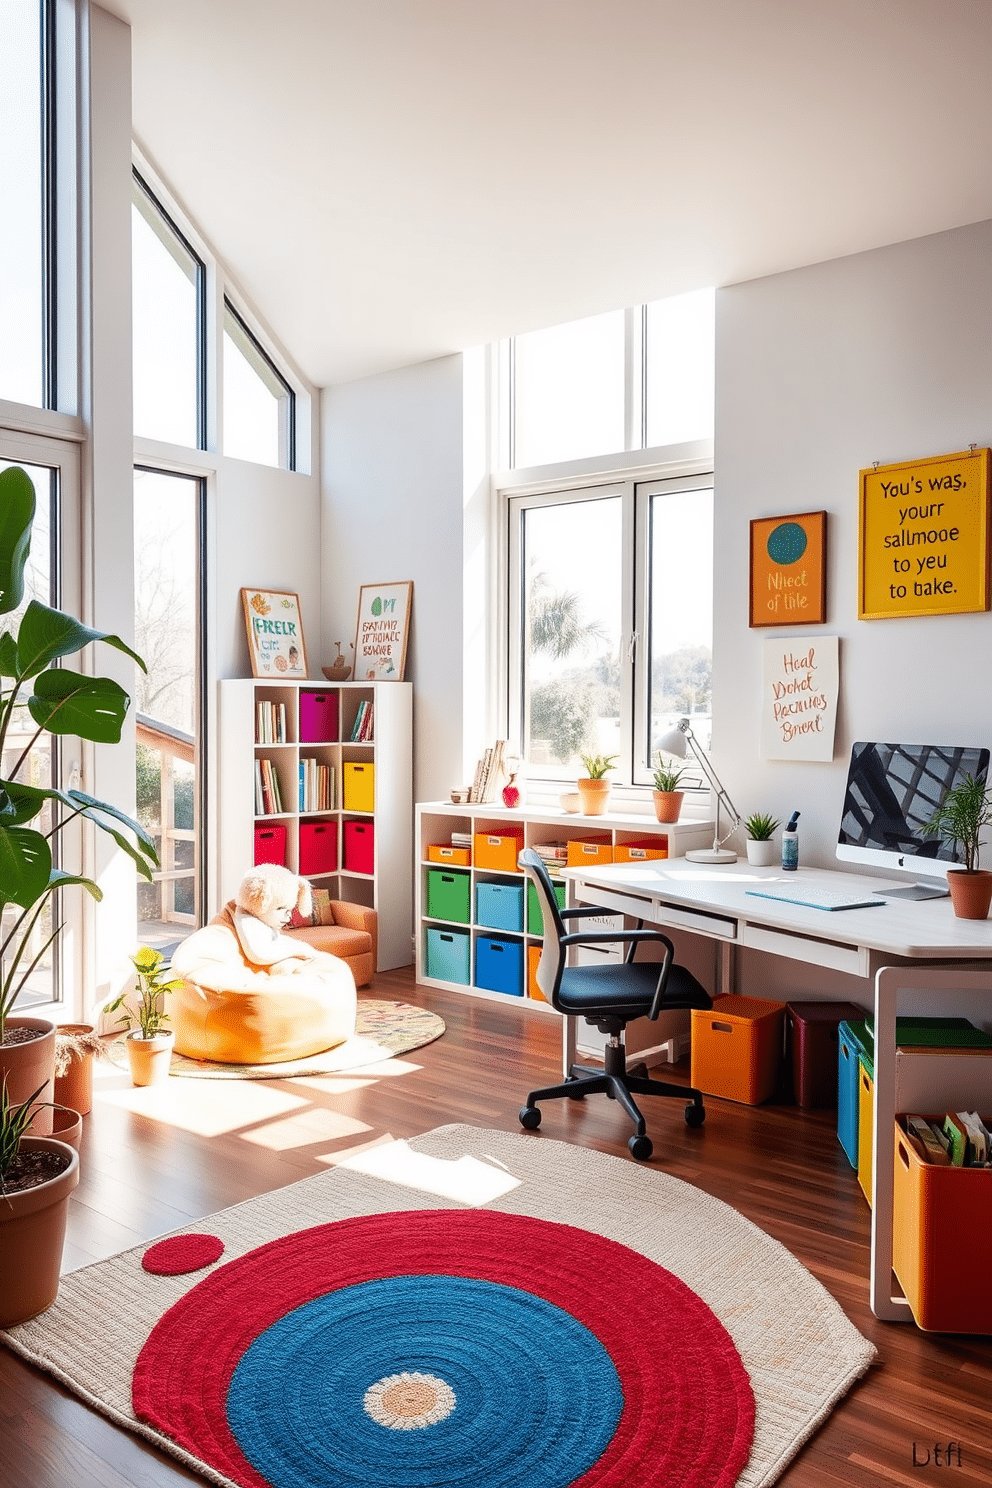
[
  {"x": 800, "y": 683},
  {"x": 925, "y": 537}
]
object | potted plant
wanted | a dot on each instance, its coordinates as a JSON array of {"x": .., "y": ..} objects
[
  {"x": 37, "y": 1176},
  {"x": 58, "y": 701},
  {"x": 761, "y": 829},
  {"x": 667, "y": 796},
  {"x": 149, "y": 1043},
  {"x": 961, "y": 818},
  {"x": 594, "y": 788},
  {"x": 76, "y": 1046}
]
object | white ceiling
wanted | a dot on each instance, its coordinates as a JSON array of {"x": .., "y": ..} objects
[{"x": 391, "y": 180}]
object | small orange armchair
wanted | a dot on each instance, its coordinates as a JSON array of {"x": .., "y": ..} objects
[{"x": 350, "y": 931}]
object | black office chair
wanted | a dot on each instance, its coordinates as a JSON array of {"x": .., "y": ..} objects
[{"x": 609, "y": 996}]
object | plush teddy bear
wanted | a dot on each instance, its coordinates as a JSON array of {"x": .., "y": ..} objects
[{"x": 265, "y": 901}]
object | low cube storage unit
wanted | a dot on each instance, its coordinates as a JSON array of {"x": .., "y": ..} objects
[{"x": 737, "y": 1048}]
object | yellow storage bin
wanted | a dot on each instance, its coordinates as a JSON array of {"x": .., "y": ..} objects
[
  {"x": 737, "y": 1048},
  {"x": 866, "y": 1113},
  {"x": 359, "y": 786},
  {"x": 942, "y": 1217},
  {"x": 498, "y": 850},
  {"x": 592, "y": 850},
  {"x": 440, "y": 852},
  {"x": 642, "y": 850}
]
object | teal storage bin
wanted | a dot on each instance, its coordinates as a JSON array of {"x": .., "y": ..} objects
[
  {"x": 535, "y": 924},
  {"x": 448, "y": 955},
  {"x": 499, "y": 906},
  {"x": 499, "y": 965},
  {"x": 449, "y": 895}
]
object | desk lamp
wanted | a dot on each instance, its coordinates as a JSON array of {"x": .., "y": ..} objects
[{"x": 675, "y": 742}]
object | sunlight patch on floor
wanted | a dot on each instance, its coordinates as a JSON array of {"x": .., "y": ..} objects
[
  {"x": 332, "y": 1084},
  {"x": 207, "y": 1108},
  {"x": 344, "y": 1154},
  {"x": 316, "y": 1124},
  {"x": 465, "y": 1178}
]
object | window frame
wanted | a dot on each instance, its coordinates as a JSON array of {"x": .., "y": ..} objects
[
  {"x": 636, "y": 488},
  {"x": 287, "y": 414}
]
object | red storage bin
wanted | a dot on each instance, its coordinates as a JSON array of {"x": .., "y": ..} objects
[
  {"x": 318, "y": 717},
  {"x": 811, "y": 1045},
  {"x": 270, "y": 845},
  {"x": 318, "y": 847},
  {"x": 359, "y": 846}
]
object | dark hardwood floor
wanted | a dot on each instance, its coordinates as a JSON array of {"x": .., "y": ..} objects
[{"x": 153, "y": 1162}]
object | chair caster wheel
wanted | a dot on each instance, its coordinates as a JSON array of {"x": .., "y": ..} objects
[
  {"x": 640, "y": 1147},
  {"x": 530, "y": 1118},
  {"x": 694, "y": 1115}
]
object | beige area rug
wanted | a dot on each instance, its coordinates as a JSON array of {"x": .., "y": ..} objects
[
  {"x": 115, "y": 1325},
  {"x": 382, "y": 1030}
]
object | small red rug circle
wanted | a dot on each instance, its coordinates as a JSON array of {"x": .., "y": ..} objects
[{"x": 182, "y": 1253}]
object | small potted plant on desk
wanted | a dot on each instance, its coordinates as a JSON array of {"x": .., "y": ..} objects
[
  {"x": 149, "y": 1043},
  {"x": 666, "y": 793},
  {"x": 37, "y": 1176},
  {"x": 594, "y": 788},
  {"x": 960, "y": 818},
  {"x": 761, "y": 830}
]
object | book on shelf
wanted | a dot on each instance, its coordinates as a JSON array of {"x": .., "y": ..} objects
[
  {"x": 317, "y": 783},
  {"x": 270, "y": 723},
  {"x": 362, "y": 730}
]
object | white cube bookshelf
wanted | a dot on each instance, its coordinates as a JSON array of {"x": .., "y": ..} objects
[{"x": 388, "y": 887}]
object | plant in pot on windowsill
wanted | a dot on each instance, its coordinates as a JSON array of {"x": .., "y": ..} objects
[
  {"x": 594, "y": 788},
  {"x": 961, "y": 817},
  {"x": 37, "y": 1176},
  {"x": 761, "y": 830},
  {"x": 149, "y": 1043},
  {"x": 666, "y": 793},
  {"x": 38, "y": 696}
]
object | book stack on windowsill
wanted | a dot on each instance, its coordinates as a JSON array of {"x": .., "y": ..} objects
[
  {"x": 959, "y": 1140},
  {"x": 487, "y": 773}
]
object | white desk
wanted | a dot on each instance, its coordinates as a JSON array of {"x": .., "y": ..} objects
[{"x": 901, "y": 944}]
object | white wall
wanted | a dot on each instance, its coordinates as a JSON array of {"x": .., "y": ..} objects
[
  {"x": 881, "y": 356},
  {"x": 392, "y": 484}
]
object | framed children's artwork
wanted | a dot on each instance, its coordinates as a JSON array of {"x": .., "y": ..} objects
[
  {"x": 789, "y": 570},
  {"x": 382, "y": 632},
  {"x": 275, "y": 635}
]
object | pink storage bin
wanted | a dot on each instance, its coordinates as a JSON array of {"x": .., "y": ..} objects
[
  {"x": 318, "y": 847},
  {"x": 359, "y": 846},
  {"x": 318, "y": 717},
  {"x": 270, "y": 845}
]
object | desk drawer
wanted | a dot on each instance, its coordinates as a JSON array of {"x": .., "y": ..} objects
[
  {"x": 644, "y": 907},
  {"x": 839, "y": 955}
]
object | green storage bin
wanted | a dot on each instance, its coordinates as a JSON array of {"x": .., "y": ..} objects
[
  {"x": 449, "y": 895},
  {"x": 535, "y": 924}
]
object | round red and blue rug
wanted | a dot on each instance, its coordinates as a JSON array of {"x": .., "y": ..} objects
[{"x": 448, "y": 1347}]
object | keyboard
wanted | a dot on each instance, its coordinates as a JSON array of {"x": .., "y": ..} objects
[{"x": 818, "y": 896}]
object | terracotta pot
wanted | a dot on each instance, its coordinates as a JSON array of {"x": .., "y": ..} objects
[
  {"x": 762, "y": 854},
  {"x": 28, "y": 1065},
  {"x": 32, "y": 1234},
  {"x": 67, "y": 1126},
  {"x": 595, "y": 795},
  {"x": 971, "y": 892},
  {"x": 667, "y": 805},
  {"x": 149, "y": 1058},
  {"x": 75, "y": 1087}
]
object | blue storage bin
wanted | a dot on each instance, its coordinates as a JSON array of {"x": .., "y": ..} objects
[
  {"x": 499, "y": 965},
  {"x": 500, "y": 906},
  {"x": 448, "y": 955},
  {"x": 853, "y": 1049}
]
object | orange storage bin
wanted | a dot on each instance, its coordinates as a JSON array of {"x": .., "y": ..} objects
[
  {"x": 737, "y": 1048},
  {"x": 640, "y": 851},
  {"x": 591, "y": 850},
  {"x": 498, "y": 850},
  {"x": 533, "y": 957},
  {"x": 441, "y": 852},
  {"x": 866, "y": 1117},
  {"x": 942, "y": 1217}
]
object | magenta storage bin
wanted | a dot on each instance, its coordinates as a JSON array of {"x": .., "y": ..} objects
[
  {"x": 270, "y": 845},
  {"x": 318, "y": 847},
  {"x": 318, "y": 717},
  {"x": 359, "y": 846}
]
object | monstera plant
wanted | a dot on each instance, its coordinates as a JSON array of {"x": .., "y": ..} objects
[{"x": 58, "y": 701}]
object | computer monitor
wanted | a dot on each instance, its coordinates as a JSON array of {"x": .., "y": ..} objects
[{"x": 892, "y": 793}]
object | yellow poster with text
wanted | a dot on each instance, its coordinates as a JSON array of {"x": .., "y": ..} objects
[{"x": 924, "y": 538}]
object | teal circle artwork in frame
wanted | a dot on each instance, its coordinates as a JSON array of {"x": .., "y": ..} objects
[{"x": 786, "y": 543}]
